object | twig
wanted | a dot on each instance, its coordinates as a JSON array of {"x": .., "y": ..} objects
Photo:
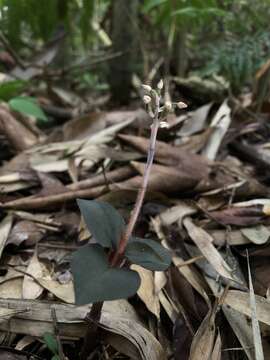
[{"x": 11, "y": 51}]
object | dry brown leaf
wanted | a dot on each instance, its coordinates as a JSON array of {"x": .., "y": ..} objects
[
  {"x": 239, "y": 301},
  {"x": 11, "y": 289},
  {"x": 11, "y": 274},
  {"x": 188, "y": 163},
  {"x": 203, "y": 340},
  {"x": 216, "y": 353},
  {"x": 238, "y": 322},
  {"x": 176, "y": 213},
  {"x": 220, "y": 124},
  {"x": 35, "y": 319},
  {"x": 19, "y": 136},
  {"x": 25, "y": 341},
  {"x": 205, "y": 243},
  {"x": 64, "y": 292},
  {"x": 257, "y": 340},
  {"x": 26, "y": 232},
  {"x": 31, "y": 289},
  {"x": 196, "y": 121},
  {"x": 5, "y": 227},
  {"x": 147, "y": 292},
  {"x": 238, "y": 216},
  {"x": 192, "y": 277}
]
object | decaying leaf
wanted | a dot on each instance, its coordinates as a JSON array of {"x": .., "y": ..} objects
[
  {"x": 203, "y": 341},
  {"x": 205, "y": 243},
  {"x": 31, "y": 289},
  {"x": 147, "y": 291}
]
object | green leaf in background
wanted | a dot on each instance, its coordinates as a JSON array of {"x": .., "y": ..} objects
[
  {"x": 9, "y": 89},
  {"x": 148, "y": 254},
  {"x": 103, "y": 221},
  {"x": 95, "y": 280},
  {"x": 51, "y": 342},
  {"x": 150, "y": 4},
  {"x": 27, "y": 106},
  {"x": 55, "y": 357}
]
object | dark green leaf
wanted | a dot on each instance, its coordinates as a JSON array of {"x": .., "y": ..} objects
[
  {"x": 103, "y": 221},
  {"x": 148, "y": 254},
  {"x": 27, "y": 106},
  {"x": 95, "y": 280},
  {"x": 51, "y": 342},
  {"x": 10, "y": 89}
]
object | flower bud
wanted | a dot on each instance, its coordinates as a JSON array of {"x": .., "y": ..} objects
[
  {"x": 160, "y": 84},
  {"x": 181, "y": 105},
  {"x": 164, "y": 124},
  {"x": 146, "y": 88},
  {"x": 147, "y": 99},
  {"x": 168, "y": 105}
]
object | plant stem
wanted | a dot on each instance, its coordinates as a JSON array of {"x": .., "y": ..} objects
[
  {"x": 141, "y": 193},
  {"x": 90, "y": 339},
  {"x": 91, "y": 336}
]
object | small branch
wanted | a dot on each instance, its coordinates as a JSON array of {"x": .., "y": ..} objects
[{"x": 11, "y": 51}]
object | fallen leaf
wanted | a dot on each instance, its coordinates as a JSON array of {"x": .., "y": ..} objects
[
  {"x": 257, "y": 340},
  {"x": 5, "y": 227},
  {"x": 205, "y": 243},
  {"x": 203, "y": 340},
  {"x": 11, "y": 289},
  {"x": 31, "y": 289},
  {"x": 257, "y": 234},
  {"x": 239, "y": 301},
  {"x": 63, "y": 292},
  {"x": 220, "y": 124},
  {"x": 147, "y": 292}
]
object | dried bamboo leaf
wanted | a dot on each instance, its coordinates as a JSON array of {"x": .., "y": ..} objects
[
  {"x": 146, "y": 290},
  {"x": 205, "y": 243},
  {"x": 257, "y": 340},
  {"x": 203, "y": 341}
]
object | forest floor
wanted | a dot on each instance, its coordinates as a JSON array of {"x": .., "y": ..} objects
[{"x": 207, "y": 201}]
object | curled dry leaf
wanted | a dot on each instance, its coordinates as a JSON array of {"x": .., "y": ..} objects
[
  {"x": 238, "y": 216},
  {"x": 35, "y": 319}
]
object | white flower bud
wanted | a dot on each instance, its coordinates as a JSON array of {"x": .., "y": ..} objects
[
  {"x": 168, "y": 105},
  {"x": 160, "y": 84},
  {"x": 181, "y": 105},
  {"x": 146, "y": 88},
  {"x": 147, "y": 99},
  {"x": 164, "y": 124}
]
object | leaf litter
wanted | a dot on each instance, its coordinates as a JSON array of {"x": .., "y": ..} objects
[{"x": 207, "y": 202}]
